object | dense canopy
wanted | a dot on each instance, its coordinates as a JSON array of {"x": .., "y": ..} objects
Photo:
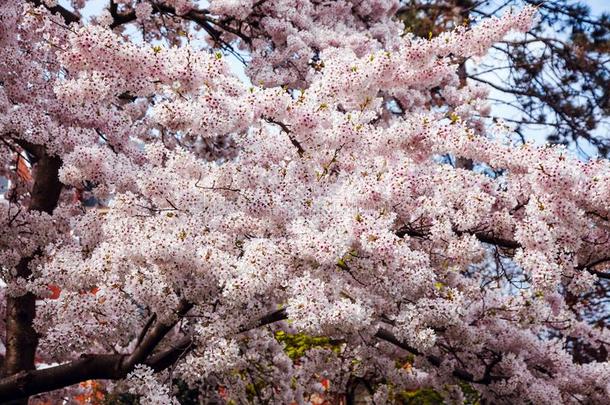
[{"x": 169, "y": 221}]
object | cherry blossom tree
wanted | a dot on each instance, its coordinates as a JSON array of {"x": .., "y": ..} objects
[
  {"x": 551, "y": 81},
  {"x": 317, "y": 198}
]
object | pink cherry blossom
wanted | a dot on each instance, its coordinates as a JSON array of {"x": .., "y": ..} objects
[{"x": 164, "y": 212}]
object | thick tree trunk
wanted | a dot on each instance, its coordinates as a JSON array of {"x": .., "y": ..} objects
[{"x": 21, "y": 338}]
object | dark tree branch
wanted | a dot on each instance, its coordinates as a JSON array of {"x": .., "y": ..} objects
[
  {"x": 271, "y": 317},
  {"x": 504, "y": 244},
  {"x": 387, "y": 336},
  {"x": 589, "y": 268},
  {"x": 146, "y": 327},
  {"x": 458, "y": 373},
  {"x": 168, "y": 357},
  {"x": 30, "y": 382},
  {"x": 152, "y": 338},
  {"x": 68, "y": 16},
  {"x": 112, "y": 366},
  {"x": 87, "y": 367},
  {"x": 481, "y": 236},
  {"x": 288, "y": 132}
]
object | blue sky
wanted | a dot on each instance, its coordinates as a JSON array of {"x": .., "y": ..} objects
[
  {"x": 538, "y": 134},
  {"x": 599, "y": 6}
]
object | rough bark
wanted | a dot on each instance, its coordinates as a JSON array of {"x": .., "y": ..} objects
[{"x": 21, "y": 338}]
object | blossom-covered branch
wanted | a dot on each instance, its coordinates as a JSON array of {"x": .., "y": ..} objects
[{"x": 175, "y": 222}]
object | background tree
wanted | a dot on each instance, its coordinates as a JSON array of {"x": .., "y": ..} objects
[{"x": 553, "y": 82}]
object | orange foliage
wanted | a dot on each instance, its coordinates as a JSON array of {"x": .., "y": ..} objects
[
  {"x": 23, "y": 170},
  {"x": 94, "y": 393},
  {"x": 55, "y": 291}
]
